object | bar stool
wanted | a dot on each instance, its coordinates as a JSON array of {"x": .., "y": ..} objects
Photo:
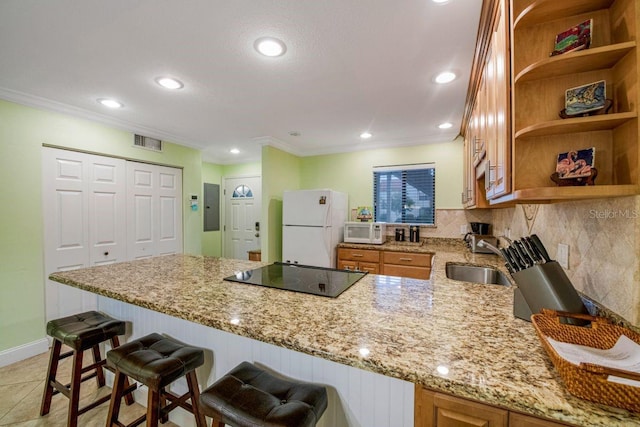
[
  {"x": 249, "y": 396},
  {"x": 80, "y": 332},
  {"x": 156, "y": 361}
]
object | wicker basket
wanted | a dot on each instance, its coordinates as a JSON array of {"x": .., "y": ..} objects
[{"x": 589, "y": 381}]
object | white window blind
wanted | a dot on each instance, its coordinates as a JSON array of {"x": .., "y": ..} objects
[{"x": 405, "y": 194}]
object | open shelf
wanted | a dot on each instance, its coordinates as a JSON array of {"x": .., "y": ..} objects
[
  {"x": 576, "y": 62},
  {"x": 578, "y": 124},
  {"x": 550, "y": 194},
  {"x": 548, "y": 10}
]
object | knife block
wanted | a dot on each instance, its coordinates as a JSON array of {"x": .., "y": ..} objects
[{"x": 545, "y": 286}]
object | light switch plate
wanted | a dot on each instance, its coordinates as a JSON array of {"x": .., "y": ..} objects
[
  {"x": 563, "y": 255},
  {"x": 463, "y": 229}
]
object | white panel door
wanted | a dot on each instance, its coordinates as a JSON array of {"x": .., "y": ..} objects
[
  {"x": 242, "y": 216},
  {"x": 154, "y": 216},
  {"x": 84, "y": 213},
  {"x": 107, "y": 210},
  {"x": 141, "y": 208},
  {"x": 169, "y": 210}
]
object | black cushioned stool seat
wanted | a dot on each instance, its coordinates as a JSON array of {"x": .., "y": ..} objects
[
  {"x": 249, "y": 396},
  {"x": 80, "y": 332},
  {"x": 156, "y": 361}
]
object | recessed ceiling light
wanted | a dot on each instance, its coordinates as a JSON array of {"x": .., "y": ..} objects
[
  {"x": 234, "y": 151},
  {"x": 445, "y": 125},
  {"x": 440, "y": 1},
  {"x": 269, "y": 46},
  {"x": 445, "y": 77},
  {"x": 169, "y": 83},
  {"x": 365, "y": 135},
  {"x": 111, "y": 103}
]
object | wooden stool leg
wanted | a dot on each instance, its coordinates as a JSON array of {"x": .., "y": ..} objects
[
  {"x": 153, "y": 408},
  {"x": 192, "y": 381},
  {"x": 128, "y": 398},
  {"x": 164, "y": 416},
  {"x": 51, "y": 376},
  {"x": 99, "y": 371},
  {"x": 74, "y": 396},
  {"x": 116, "y": 397}
]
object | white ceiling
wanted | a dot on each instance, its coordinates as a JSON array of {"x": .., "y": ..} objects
[{"x": 350, "y": 66}]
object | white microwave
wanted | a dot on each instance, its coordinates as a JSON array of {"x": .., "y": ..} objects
[{"x": 365, "y": 232}]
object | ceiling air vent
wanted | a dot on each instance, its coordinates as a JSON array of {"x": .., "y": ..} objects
[{"x": 147, "y": 142}]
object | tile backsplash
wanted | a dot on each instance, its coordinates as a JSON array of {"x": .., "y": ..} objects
[
  {"x": 448, "y": 223},
  {"x": 603, "y": 237},
  {"x": 604, "y": 245}
]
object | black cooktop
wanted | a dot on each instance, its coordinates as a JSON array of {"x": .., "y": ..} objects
[{"x": 327, "y": 282}]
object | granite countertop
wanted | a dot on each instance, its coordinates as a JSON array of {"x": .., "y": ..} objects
[{"x": 451, "y": 336}]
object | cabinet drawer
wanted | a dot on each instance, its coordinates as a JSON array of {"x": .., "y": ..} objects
[
  {"x": 407, "y": 271},
  {"x": 366, "y": 255},
  {"x": 369, "y": 267},
  {"x": 345, "y": 264},
  {"x": 407, "y": 258}
]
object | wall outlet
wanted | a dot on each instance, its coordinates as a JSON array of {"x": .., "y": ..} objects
[
  {"x": 464, "y": 228},
  {"x": 563, "y": 255},
  {"x": 507, "y": 233}
]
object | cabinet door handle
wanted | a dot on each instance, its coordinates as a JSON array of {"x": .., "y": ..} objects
[
  {"x": 357, "y": 255},
  {"x": 406, "y": 259}
]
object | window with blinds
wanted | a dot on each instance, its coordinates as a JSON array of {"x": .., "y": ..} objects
[{"x": 405, "y": 194}]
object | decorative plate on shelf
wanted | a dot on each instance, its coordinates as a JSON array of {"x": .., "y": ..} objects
[
  {"x": 575, "y": 38},
  {"x": 582, "y": 99},
  {"x": 575, "y": 163}
]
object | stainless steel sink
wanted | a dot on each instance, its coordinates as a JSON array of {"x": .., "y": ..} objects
[{"x": 476, "y": 274}]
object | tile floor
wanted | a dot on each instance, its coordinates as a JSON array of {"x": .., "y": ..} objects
[{"x": 21, "y": 387}]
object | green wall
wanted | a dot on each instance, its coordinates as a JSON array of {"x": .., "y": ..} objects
[
  {"x": 242, "y": 169},
  {"x": 352, "y": 172},
  {"x": 214, "y": 174},
  {"x": 280, "y": 172},
  {"x": 23, "y": 131}
]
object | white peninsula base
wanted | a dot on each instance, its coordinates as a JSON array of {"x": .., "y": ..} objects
[{"x": 357, "y": 398}]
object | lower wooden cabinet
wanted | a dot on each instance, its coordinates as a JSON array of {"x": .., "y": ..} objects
[
  {"x": 407, "y": 264},
  {"x": 359, "y": 259},
  {"x": 434, "y": 409},
  {"x": 520, "y": 420},
  {"x": 416, "y": 265}
]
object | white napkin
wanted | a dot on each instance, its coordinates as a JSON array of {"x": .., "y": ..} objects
[{"x": 625, "y": 354}]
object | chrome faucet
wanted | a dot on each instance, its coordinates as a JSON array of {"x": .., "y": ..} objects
[
  {"x": 485, "y": 244},
  {"x": 509, "y": 241}
]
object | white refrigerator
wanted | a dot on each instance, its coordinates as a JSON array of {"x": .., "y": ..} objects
[{"x": 312, "y": 226}]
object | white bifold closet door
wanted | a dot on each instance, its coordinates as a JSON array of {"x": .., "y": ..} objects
[
  {"x": 84, "y": 208},
  {"x": 154, "y": 217},
  {"x": 91, "y": 218}
]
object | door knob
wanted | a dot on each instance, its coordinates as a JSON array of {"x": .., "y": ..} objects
[{"x": 106, "y": 254}]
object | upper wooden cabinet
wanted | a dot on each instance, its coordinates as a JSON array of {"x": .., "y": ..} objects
[
  {"x": 537, "y": 84},
  {"x": 487, "y": 130}
]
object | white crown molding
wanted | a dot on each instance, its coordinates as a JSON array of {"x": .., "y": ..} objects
[
  {"x": 279, "y": 144},
  {"x": 59, "y": 107}
]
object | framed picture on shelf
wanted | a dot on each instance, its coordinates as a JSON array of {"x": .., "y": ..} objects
[
  {"x": 574, "y": 38},
  {"x": 364, "y": 213},
  {"x": 585, "y": 98},
  {"x": 575, "y": 163}
]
